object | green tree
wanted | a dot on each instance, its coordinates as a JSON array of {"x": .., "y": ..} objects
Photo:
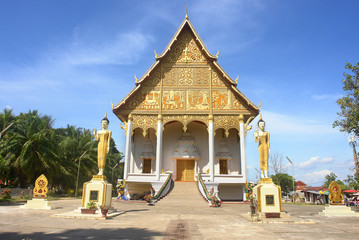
[
  {"x": 349, "y": 104},
  {"x": 29, "y": 150},
  {"x": 333, "y": 177},
  {"x": 6, "y": 118},
  {"x": 74, "y": 143},
  {"x": 285, "y": 181},
  {"x": 352, "y": 182},
  {"x": 113, "y": 164}
]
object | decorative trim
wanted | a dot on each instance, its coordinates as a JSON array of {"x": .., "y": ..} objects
[
  {"x": 99, "y": 177},
  {"x": 145, "y": 122},
  {"x": 226, "y": 122}
]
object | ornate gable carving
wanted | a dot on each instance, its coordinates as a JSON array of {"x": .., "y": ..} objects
[{"x": 185, "y": 50}]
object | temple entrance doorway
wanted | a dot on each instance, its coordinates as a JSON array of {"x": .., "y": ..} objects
[{"x": 185, "y": 170}]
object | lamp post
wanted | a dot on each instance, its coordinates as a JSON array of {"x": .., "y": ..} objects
[
  {"x": 352, "y": 142},
  {"x": 78, "y": 172},
  {"x": 112, "y": 172},
  {"x": 292, "y": 177},
  {"x": 259, "y": 174}
]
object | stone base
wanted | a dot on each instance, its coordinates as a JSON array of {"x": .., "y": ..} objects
[
  {"x": 97, "y": 190},
  {"x": 338, "y": 211},
  {"x": 269, "y": 196},
  {"x": 37, "y": 203}
]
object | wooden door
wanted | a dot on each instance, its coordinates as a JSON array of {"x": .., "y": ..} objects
[
  {"x": 146, "y": 166},
  {"x": 185, "y": 170},
  {"x": 223, "y": 168}
]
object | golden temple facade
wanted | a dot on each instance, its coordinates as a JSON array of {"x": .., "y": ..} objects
[{"x": 185, "y": 85}]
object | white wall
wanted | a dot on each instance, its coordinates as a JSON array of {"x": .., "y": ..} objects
[
  {"x": 230, "y": 191},
  {"x": 198, "y": 131}
]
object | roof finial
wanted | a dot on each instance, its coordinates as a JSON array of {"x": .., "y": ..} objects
[{"x": 186, "y": 11}]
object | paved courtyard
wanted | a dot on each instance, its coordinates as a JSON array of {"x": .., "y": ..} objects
[{"x": 140, "y": 221}]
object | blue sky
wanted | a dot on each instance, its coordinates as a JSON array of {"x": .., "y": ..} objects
[{"x": 68, "y": 59}]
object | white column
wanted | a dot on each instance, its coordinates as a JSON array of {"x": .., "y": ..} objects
[
  {"x": 211, "y": 147},
  {"x": 128, "y": 147},
  {"x": 132, "y": 159},
  {"x": 243, "y": 160},
  {"x": 159, "y": 147}
]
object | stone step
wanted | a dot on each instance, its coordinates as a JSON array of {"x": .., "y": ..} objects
[{"x": 183, "y": 193}]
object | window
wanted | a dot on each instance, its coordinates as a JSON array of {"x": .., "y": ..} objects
[
  {"x": 223, "y": 167},
  {"x": 146, "y": 165}
]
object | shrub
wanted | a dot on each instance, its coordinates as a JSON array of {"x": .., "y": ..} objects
[{"x": 6, "y": 194}]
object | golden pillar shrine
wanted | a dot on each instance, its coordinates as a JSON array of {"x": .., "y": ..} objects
[{"x": 186, "y": 115}]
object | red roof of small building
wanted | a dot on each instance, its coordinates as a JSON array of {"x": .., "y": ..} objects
[{"x": 300, "y": 183}]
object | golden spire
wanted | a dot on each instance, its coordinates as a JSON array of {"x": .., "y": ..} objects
[
  {"x": 136, "y": 80},
  {"x": 186, "y": 11}
]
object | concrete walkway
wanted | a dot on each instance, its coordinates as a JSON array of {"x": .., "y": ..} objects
[{"x": 165, "y": 222}]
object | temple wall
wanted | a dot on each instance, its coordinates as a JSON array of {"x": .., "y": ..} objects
[
  {"x": 171, "y": 134},
  {"x": 231, "y": 191},
  {"x": 233, "y": 145}
]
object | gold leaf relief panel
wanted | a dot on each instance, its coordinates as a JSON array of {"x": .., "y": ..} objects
[
  {"x": 144, "y": 122},
  {"x": 173, "y": 100},
  {"x": 144, "y": 100},
  {"x": 217, "y": 79},
  {"x": 185, "y": 76},
  {"x": 237, "y": 105},
  {"x": 221, "y": 99},
  {"x": 226, "y": 122},
  {"x": 185, "y": 50},
  {"x": 198, "y": 100},
  {"x": 154, "y": 79},
  {"x": 169, "y": 76},
  {"x": 201, "y": 77}
]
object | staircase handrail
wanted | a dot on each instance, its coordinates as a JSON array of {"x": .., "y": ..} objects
[
  {"x": 203, "y": 189},
  {"x": 165, "y": 188}
]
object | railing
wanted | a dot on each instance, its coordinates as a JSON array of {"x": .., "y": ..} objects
[
  {"x": 165, "y": 189},
  {"x": 203, "y": 189}
]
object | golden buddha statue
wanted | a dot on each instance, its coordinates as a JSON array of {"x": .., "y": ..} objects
[
  {"x": 103, "y": 137},
  {"x": 262, "y": 137}
]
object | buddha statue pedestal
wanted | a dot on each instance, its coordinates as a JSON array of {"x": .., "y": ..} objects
[
  {"x": 97, "y": 190},
  {"x": 37, "y": 203},
  {"x": 269, "y": 197}
]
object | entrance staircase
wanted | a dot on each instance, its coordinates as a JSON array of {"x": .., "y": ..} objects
[{"x": 184, "y": 193}]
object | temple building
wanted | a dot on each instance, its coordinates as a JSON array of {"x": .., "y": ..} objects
[{"x": 186, "y": 116}]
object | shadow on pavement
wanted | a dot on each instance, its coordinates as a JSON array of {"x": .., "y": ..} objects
[{"x": 109, "y": 233}]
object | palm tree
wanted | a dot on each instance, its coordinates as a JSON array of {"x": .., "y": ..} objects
[
  {"x": 6, "y": 119},
  {"x": 29, "y": 149},
  {"x": 75, "y": 143}
]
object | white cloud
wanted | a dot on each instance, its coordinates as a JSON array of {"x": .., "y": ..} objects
[
  {"x": 124, "y": 49},
  {"x": 314, "y": 160},
  {"x": 294, "y": 125},
  {"x": 315, "y": 179},
  {"x": 330, "y": 97}
]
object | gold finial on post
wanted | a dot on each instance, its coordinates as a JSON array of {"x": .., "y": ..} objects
[{"x": 155, "y": 54}]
